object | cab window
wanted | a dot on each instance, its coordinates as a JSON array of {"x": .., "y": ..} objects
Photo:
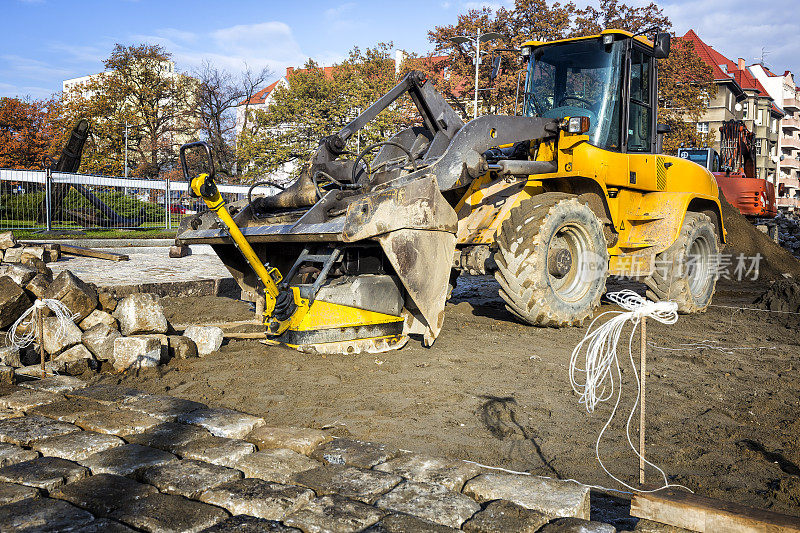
[{"x": 640, "y": 117}]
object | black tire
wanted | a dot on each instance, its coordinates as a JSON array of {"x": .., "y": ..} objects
[
  {"x": 687, "y": 272},
  {"x": 539, "y": 284}
]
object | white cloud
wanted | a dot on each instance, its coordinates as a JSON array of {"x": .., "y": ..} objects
[
  {"x": 494, "y": 6},
  {"x": 341, "y": 18}
]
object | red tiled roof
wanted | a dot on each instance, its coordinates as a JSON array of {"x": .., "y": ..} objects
[
  {"x": 777, "y": 110},
  {"x": 709, "y": 56},
  {"x": 261, "y": 96}
]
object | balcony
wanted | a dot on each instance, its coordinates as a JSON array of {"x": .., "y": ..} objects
[
  {"x": 789, "y": 182},
  {"x": 788, "y": 202},
  {"x": 790, "y": 162},
  {"x": 790, "y": 142},
  {"x": 790, "y": 123},
  {"x": 791, "y": 104}
]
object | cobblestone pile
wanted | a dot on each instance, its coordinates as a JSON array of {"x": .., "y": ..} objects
[
  {"x": 108, "y": 458},
  {"x": 789, "y": 232}
]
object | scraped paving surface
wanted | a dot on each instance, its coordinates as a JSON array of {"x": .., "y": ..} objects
[{"x": 203, "y": 468}]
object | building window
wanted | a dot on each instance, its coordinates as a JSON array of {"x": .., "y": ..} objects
[
  {"x": 745, "y": 108},
  {"x": 702, "y": 127},
  {"x": 758, "y": 146}
]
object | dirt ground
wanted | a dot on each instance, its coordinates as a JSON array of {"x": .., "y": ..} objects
[{"x": 722, "y": 389}]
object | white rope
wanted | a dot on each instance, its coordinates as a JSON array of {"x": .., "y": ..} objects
[
  {"x": 601, "y": 367},
  {"x": 31, "y": 328}
]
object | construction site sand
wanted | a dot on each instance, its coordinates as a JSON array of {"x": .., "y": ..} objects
[{"x": 723, "y": 422}]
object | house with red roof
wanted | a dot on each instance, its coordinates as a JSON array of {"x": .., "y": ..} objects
[{"x": 740, "y": 96}]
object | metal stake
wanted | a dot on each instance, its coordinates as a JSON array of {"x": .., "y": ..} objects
[
  {"x": 40, "y": 320},
  {"x": 643, "y": 366}
]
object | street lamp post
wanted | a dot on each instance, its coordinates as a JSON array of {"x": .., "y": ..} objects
[{"x": 476, "y": 40}]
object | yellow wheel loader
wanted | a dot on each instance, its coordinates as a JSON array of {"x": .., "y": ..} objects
[{"x": 359, "y": 253}]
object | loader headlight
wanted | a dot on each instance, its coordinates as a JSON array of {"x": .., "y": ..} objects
[{"x": 577, "y": 125}]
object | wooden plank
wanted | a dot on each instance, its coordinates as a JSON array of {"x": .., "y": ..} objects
[
  {"x": 222, "y": 325},
  {"x": 69, "y": 249},
  {"x": 246, "y": 335},
  {"x": 698, "y": 513}
]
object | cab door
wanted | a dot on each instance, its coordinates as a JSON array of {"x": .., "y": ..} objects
[{"x": 639, "y": 131}]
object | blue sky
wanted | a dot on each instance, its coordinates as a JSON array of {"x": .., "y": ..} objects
[{"x": 46, "y": 41}]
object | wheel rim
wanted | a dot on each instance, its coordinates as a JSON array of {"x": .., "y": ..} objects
[
  {"x": 576, "y": 283},
  {"x": 698, "y": 266}
]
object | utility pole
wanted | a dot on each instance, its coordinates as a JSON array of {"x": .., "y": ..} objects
[
  {"x": 476, "y": 41},
  {"x": 126, "y": 150}
]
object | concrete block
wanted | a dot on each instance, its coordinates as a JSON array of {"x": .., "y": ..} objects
[
  {"x": 13, "y": 302},
  {"x": 99, "y": 339},
  {"x": 103, "y": 393},
  {"x": 54, "y": 384},
  {"x": 277, "y": 465},
  {"x": 7, "y": 240},
  {"x": 223, "y": 422},
  {"x": 119, "y": 422},
  {"x": 46, "y": 473},
  {"x": 42, "y": 514},
  {"x": 76, "y": 446},
  {"x": 431, "y": 502},
  {"x": 34, "y": 251},
  {"x": 98, "y": 317},
  {"x": 181, "y": 347},
  {"x": 207, "y": 338},
  {"x": 301, "y": 440},
  {"x": 552, "y": 497},
  {"x": 165, "y": 512},
  {"x": 11, "y": 454},
  {"x": 140, "y": 313},
  {"x": 126, "y": 460},
  {"x": 354, "y": 483},
  {"x": 501, "y": 516},
  {"x": 403, "y": 523},
  {"x": 577, "y": 525},
  {"x": 10, "y": 356},
  {"x": 107, "y": 302},
  {"x": 79, "y": 297},
  {"x": 259, "y": 498},
  {"x": 19, "y": 273},
  {"x": 335, "y": 514},
  {"x": 69, "y": 409},
  {"x": 13, "y": 254},
  {"x": 166, "y": 408},
  {"x": 73, "y": 361},
  {"x": 14, "y": 492},
  {"x": 188, "y": 477},
  {"x": 216, "y": 450},
  {"x": 52, "y": 252},
  {"x": 168, "y": 436},
  {"x": 59, "y": 336},
  {"x": 37, "y": 287},
  {"x": 136, "y": 352},
  {"x": 179, "y": 250},
  {"x": 6, "y": 374},
  {"x": 353, "y": 452},
  {"x": 102, "y": 494},
  {"x": 250, "y": 524},
  {"x": 427, "y": 469},
  {"x": 25, "y": 399}
]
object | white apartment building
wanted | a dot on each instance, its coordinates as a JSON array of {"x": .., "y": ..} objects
[{"x": 783, "y": 89}]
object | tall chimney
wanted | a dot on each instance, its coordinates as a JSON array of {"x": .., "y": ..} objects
[
  {"x": 289, "y": 71},
  {"x": 741, "y": 64}
]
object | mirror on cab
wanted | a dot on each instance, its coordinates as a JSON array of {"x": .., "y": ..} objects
[{"x": 662, "y": 44}]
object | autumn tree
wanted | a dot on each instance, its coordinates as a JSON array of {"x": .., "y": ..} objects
[{"x": 26, "y": 131}]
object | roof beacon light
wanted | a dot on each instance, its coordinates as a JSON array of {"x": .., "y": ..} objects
[{"x": 578, "y": 125}]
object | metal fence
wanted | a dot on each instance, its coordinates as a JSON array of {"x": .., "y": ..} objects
[{"x": 46, "y": 200}]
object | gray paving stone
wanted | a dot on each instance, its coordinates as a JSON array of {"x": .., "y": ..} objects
[
  {"x": 403, "y": 523},
  {"x": 25, "y": 430},
  {"x": 102, "y": 494},
  {"x": 250, "y": 524},
  {"x": 426, "y": 469},
  {"x": 104, "y": 393},
  {"x": 126, "y": 460},
  {"x": 55, "y": 384},
  {"x": 216, "y": 450},
  {"x": 431, "y": 502},
  {"x": 12, "y": 454},
  {"x": 163, "y": 513},
  {"x": 68, "y": 410},
  {"x": 165, "y": 408},
  {"x": 26, "y": 399},
  {"x": 502, "y": 515},
  {"x": 168, "y": 436},
  {"x": 351, "y": 482},
  {"x": 188, "y": 477},
  {"x": 76, "y": 446},
  {"x": 14, "y": 492},
  {"x": 103, "y": 525},
  {"x": 256, "y": 497},
  {"x": 278, "y": 465},
  {"x": 301, "y": 440},
  {"x": 47, "y": 473},
  {"x": 10, "y": 413},
  {"x": 223, "y": 422},
  {"x": 334, "y": 514},
  {"x": 551, "y": 497},
  {"x": 353, "y": 452},
  {"x": 577, "y": 525},
  {"x": 42, "y": 514},
  {"x": 116, "y": 422}
]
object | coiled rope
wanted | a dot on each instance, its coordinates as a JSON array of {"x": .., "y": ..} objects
[
  {"x": 29, "y": 326},
  {"x": 599, "y": 374}
]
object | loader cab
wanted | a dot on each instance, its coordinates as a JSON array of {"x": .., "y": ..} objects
[
  {"x": 707, "y": 158},
  {"x": 609, "y": 78}
]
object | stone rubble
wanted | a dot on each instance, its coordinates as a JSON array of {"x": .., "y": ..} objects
[
  {"x": 208, "y": 339},
  {"x": 140, "y": 313}
]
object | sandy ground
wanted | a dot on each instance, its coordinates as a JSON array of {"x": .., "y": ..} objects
[{"x": 723, "y": 422}]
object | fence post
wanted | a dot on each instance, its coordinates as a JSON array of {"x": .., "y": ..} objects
[
  {"x": 48, "y": 206},
  {"x": 167, "y": 206}
]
